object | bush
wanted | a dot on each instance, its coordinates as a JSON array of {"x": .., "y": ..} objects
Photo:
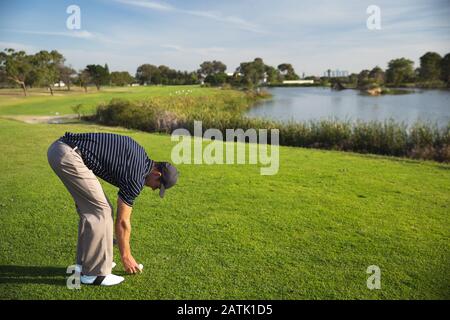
[
  {"x": 225, "y": 111},
  {"x": 78, "y": 110}
]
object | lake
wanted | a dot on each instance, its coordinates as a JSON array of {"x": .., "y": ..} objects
[{"x": 315, "y": 103}]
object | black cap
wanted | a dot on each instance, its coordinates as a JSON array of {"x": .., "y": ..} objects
[{"x": 169, "y": 176}]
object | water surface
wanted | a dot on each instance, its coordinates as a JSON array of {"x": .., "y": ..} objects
[{"x": 303, "y": 104}]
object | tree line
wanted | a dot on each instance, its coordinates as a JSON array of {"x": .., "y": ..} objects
[
  {"x": 248, "y": 74},
  {"x": 45, "y": 69},
  {"x": 434, "y": 71}
]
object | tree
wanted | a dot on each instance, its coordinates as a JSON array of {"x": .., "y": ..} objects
[
  {"x": 353, "y": 79},
  {"x": 84, "y": 78},
  {"x": 208, "y": 68},
  {"x": 107, "y": 81},
  {"x": 445, "y": 69},
  {"x": 151, "y": 74},
  {"x": 216, "y": 79},
  {"x": 66, "y": 74},
  {"x": 273, "y": 75},
  {"x": 400, "y": 71},
  {"x": 77, "y": 109},
  {"x": 3, "y": 78},
  {"x": 16, "y": 67},
  {"x": 99, "y": 75},
  {"x": 164, "y": 72},
  {"x": 45, "y": 65},
  {"x": 148, "y": 73},
  {"x": 253, "y": 73},
  {"x": 430, "y": 66},
  {"x": 288, "y": 72},
  {"x": 192, "y": 78},
  {"x": 121, "y": 78},
  {"x": 376, "y": 75},
  {"x": 363, "y": 79}
]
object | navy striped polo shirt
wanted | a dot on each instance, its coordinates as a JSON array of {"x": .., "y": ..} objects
[{"x": 116, "y": 159}]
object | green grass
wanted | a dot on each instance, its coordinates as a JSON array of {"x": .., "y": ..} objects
[
  {"x": 225, "y": 231},
  {"x": 41, "y": 103}
]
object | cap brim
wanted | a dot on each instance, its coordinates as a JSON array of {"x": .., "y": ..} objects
[{"x": 162, "y": 190}]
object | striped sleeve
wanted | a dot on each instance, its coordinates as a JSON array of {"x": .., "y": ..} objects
[{"x": 126, "y": 196}]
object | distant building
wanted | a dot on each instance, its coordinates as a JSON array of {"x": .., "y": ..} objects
[
  {"x": 336, "y": 73},
  {"x": 264, "y": 80},
  {"x": 298, "y": 82},
  {"x": 59, "y": 84}
]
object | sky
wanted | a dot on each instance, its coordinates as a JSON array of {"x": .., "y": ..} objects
[{"x": 311, "y": 35}]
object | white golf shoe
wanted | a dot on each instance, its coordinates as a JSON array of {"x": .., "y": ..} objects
[{"x": 108, "y": 280}]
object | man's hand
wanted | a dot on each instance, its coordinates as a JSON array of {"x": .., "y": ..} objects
[
  {"x": 123, "y": 232},
  {"x": 130, "y": 265}
]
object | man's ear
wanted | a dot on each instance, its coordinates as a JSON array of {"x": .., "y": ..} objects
[{"x": 156, "y": 173}]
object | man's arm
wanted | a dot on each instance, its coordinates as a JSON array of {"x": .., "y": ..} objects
[{"x": 123, "y": 231}]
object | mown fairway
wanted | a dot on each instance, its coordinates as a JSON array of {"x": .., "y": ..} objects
[
  {"x": 225, "y": 231},
  {"x": 41, "y": 103}
]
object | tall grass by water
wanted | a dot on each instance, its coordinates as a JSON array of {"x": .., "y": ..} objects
[{"x": 226, "y": 111}]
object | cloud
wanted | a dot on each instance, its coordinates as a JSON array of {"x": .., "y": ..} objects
[
  {"x": 78, "y": 34},
  {"x": 18, "y": 46},
  {"x": 200, "y": 51},
  {"x": 216, "y": 16},
  {"x": 73, "y": 34},
  {"x": 148, "y": 5},
  {"x": 233, "y": 20}
]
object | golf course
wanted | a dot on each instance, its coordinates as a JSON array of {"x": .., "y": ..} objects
[{"x": 225, "y": 231}]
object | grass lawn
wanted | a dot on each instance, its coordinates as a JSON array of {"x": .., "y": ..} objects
[
  {"x": 12, "y": 102},
  {"x": 225, "y": 231}
]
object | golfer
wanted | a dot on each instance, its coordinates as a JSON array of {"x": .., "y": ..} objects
[{"x": 78, "y": 159}]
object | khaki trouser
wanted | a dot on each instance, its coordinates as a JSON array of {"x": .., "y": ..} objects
[{"x": 95, "y": 228}]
